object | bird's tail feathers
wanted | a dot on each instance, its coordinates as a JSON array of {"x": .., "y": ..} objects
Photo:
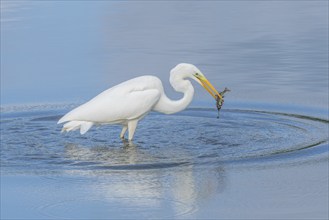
[{"x": 84, "y": 126}]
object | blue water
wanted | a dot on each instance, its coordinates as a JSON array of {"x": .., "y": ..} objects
[
  {"x": 265, "y": 157},
  {"x": 273, "y": 51},
  {"x": 197, "y": 138},
  {"x": 175, "y": 168}
]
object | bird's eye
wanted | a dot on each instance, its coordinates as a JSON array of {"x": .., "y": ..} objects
[{"x": 197, "y": 74}]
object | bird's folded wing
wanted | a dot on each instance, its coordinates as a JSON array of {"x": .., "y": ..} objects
[{"x": 114, "y": 106}]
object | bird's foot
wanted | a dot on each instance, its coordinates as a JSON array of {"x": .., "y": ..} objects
[{"x": 128, "y": 143}]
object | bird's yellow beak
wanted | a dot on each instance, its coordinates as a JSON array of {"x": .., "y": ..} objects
[{"x": 208, "y": 86}]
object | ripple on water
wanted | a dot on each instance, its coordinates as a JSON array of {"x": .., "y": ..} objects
[
  {"x": 141, "y": 207},
  {"x": 33, "y": 141}
]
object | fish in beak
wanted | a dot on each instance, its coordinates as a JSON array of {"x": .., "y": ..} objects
[{"x": 218, "y": 96}]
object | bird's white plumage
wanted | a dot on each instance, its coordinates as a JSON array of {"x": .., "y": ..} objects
[
  {"x": 130, "y": 101},
  {"x": 136, "y": 97}
]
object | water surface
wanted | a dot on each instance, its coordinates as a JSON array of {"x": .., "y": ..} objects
[
  {"x": 178, "y": 167},
  {"x": 273, "y": 51},
  {"x": 266, "y": 157}
]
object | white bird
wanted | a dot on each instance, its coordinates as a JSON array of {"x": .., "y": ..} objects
[{"x": 132, "y": 100}]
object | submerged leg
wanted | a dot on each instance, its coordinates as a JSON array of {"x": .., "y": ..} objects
[
  {"x": 131, "y": 129},
  {"x": 124, "y": 129}
]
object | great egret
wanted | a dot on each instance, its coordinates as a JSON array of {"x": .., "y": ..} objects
[{"x": 130, "y": 101}]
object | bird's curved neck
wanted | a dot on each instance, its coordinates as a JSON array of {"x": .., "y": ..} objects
[{"x": 168, "y": 106}]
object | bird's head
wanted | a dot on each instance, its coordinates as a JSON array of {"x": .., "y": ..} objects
[{"x": 189, "y": 70}]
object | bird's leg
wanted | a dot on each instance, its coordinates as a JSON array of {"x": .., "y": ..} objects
[
  {"x": 124, "y": 129},
  {"x": 131, "y": 129}
]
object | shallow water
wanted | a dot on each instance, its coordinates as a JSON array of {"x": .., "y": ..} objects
[
  {"x": 266, "y": 157},
  {"x": 178, "y": 167},
  {"x": 273, "y": 51},
  {"x": 194, "y": 137}
]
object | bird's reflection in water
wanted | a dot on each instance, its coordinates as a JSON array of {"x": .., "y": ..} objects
[
  {"x": 103, "y": 155},
  {"x": 130, "y": 177}
]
